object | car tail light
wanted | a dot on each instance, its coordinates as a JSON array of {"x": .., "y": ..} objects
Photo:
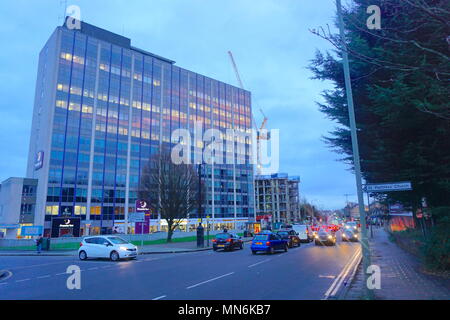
[
  {"x": 268, "y": 243},
  {"x": 229, "y": 240},
  {"x": 214, "y": 240},
  {"x": 81, "y": 244}
]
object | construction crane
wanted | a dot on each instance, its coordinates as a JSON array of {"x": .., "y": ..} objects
[{"x": 261, "y": 132}]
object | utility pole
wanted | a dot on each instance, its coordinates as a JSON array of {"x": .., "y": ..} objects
[{"x": 354, "y": 136}]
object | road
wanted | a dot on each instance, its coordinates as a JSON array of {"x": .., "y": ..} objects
[{"x": 301, "y": 273}]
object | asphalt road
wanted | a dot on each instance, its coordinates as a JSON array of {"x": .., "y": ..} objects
[{"x": 301, "y": 273}]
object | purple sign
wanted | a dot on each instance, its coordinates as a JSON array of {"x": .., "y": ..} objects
[
  {"x": 39, "y": 161},
  {"x": 142, "y": 206}
]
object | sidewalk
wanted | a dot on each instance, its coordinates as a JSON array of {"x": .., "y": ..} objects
[
  {"x": 402, "y": 277},
  {"x": 175, "y": 247}
]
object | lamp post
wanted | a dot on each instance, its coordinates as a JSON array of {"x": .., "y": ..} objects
[
  {"x": 200, "y": 229},
  {"x": 355, "y": 149}
]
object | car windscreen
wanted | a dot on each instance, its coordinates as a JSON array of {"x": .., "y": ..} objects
[
  {"x": 300, "y": 228},
  {"x": 117, "y": 240},
  {"x": 261, "y": 237},
  {"x": 223, "y": 236}
]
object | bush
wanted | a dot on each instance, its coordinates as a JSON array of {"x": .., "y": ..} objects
[{"x": 436, "y": 248}]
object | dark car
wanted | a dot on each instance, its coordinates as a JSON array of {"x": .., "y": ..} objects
[
  {"x": 268, "y": 242},
  {"x": 349, "y": 235},
  {"x": 291, "y": 236},
  {"x": 325, "y": 237},
  {"x": 227, "y": 241}
]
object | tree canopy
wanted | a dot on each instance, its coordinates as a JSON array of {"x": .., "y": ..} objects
[{"x": 400, "y": 79}]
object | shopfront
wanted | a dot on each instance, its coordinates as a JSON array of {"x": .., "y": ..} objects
[{"x": 65, "y": 227}]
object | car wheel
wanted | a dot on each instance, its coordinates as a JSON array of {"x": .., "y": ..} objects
[
  {"x": 114, "y": 256},
  {"x": 271, "y": 250},
  {"x": 242, "y": 246},
  {"x": 316, "y": 243},
  {"x": 253, "y": 251},
  {"x": 82, "y": 255},
  {"x": 286, "y": 248}
]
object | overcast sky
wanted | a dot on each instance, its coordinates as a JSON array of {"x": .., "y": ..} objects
[{"x": 269, "y": 39}]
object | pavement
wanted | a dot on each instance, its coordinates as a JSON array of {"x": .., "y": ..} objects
[
  {"x": 174, "y": 247},
  {"x": 306, "y": 272},
  {"x": 402, "y": 274}
]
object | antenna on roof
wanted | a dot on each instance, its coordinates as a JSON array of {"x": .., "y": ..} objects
[{"x": 62, "y": 3}]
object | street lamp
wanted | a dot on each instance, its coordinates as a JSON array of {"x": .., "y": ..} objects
[{"x": 355, "y": 149}]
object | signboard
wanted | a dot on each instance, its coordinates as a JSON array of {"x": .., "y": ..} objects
[
  {"x": 31, "y": 231},
  {"x": 398, "y": 210},
  {"x": 142, "y": 206},
  {"x": 69, "y": 226},
  {"x": 39, "y": 161},
  {"x": 136, "y": 217},
  {"x": 386, "y": 187}
]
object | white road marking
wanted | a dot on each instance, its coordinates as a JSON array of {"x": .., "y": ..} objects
[
  {"x": 338, "y": 280},
  {"x": 22, "y": 280},
  {"x": 255, "y": 264},
  {"x": 93, "y": 268},
  {"x": 158, "y": 298},
  {"x": 346, "y": 273},
  {"x": 216, "y": 278},
  {"x": 60, "y": 274},
  {"x": 42, "y": 277}
]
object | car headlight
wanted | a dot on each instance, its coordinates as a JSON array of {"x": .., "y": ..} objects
[
  {"x": 356, "y": 236},
  {"x": 344, "y": 235},
  {"x": 123, "y": 248},
  {"x": 330, "y": 237},
  {"x": 316, "y": 236}
]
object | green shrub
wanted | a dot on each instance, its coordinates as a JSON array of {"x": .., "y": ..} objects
[{"x": 436, "y": 248}]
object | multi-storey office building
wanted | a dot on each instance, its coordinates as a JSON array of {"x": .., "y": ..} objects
[
  {"x": 103, "y": 108},
  {"x": 277, "y": 196}
]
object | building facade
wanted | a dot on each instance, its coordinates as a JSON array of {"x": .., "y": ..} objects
[
  {"x": 277, "y": 197},
  {"x": 103, "y": 108},
  {"x": 17, "y": 205}
]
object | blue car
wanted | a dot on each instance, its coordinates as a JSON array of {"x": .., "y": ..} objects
[{"x": 268, "y": 242}]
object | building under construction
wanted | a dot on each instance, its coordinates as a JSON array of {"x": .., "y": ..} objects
[{"x": 277, "y": 196}]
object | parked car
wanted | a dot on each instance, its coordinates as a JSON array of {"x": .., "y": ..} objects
[
  {"x": 325, "y": 237},
  {"x": 227, "y": 241},
  {"x": 349, "y": 235},
  {"x": 304, "y": 232},
  {"x": 112, "y": 247},
  {"x": 268, "y": 242},
  {"x": 291, "y": 236}
]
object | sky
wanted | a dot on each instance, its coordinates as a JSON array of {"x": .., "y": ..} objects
[{"x": 270, "y": 42}]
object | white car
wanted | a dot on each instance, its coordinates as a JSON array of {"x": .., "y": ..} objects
[
  {"x": 111, "y": 247},
  {"x": 303, "y": 231}
]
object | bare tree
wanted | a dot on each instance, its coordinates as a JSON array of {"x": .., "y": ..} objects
[{"x": 172, "y": 190}]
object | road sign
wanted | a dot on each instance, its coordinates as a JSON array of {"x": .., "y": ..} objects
[
  {"x": 31, "y": 230},
  {"x": 136, "y": 217},
  {"x": 387, "y": 187}
]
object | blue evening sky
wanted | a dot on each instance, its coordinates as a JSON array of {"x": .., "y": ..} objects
[{"x": 269, "y": 39}]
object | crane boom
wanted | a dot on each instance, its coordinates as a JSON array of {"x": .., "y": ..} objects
[{"x": 241, "y": 85}]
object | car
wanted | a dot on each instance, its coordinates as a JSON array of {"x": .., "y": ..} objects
[
  {"x": 112, "y": 247},
  {"x": 353, "y": 225},
  {"x": 291, "y": 236},
  {"x": 304, "y": 232},
  {"x": 349, "y": 235},
  {"x": 268, "y": 242},
  {"x": 325, "y": 237},
  {"x": 227, "y": 242}
]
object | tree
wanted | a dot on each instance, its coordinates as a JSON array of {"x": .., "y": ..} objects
[
  {"x": 171, "y": 189},
  {"x": 400, "y": 78}
]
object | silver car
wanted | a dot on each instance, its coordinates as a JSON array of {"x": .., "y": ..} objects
[{"x": 325, "y": 238}]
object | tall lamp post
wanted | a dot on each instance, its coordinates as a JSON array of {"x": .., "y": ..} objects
[{"x": 356, "y": 161}]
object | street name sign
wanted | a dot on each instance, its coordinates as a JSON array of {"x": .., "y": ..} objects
[
  {"x": 387, "y": 187},
  {"x": 136, "y": 217}
]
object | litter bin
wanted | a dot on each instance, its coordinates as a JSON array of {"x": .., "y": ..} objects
[
  {"x": 45, "y": 244},
  {"x": 200, "y": 236}
]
